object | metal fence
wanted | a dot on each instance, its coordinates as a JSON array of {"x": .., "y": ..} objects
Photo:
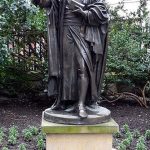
[{"x": 28, "y": 49}]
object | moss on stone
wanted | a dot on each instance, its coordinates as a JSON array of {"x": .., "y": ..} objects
[{"x": 104, "y": 128}]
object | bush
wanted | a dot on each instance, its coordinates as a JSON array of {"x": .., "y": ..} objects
[
  {"x": 16, "y": 18},
  {"x": 128, "y": 59}
]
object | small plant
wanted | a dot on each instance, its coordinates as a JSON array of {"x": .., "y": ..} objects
[
  {"x": 126, "y": 128},
  {"x": 41, "y": 136},
  {"x": 117, "y": 135},
  {"x": 121, "y": 146},
  {"x": 5, "y": 148},
  {"x": 141, "y": 139},
  {"x": 140, "y": 146},
  {"x": 147, "y": 135},
  {"x": 136, "y": 134},
  {"x": 126, "y": 142},
  {"x": 12, "y": 140},
  {"x": 13, "y": 131},
  {"x": 40, "y": 144},
  {"x": 1, "y": 131},
  {"x": 129, "y": 136},
  {"x": 22, "y": 147},
  {"x": 1, "y": 139},
  {"x": 27, "y": 135},
  {"x": 1, "y": 135},
  {"x": 33, "y": 130}
]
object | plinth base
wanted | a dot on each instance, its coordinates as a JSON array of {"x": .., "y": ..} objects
[
  {"x": 96, "y": 115},
  {"x": 79, "y": 137}
]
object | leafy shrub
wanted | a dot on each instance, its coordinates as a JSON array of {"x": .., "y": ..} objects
[
  {"x": 147, "y": 135},
  {"x": 121, "y": 146},
  {"x": 27, "y": 135},
  {"x": 41, "y": 144},
  {"x": 13, "y": 131},
  {"x": 141, "y": 146},
  {"x": 141, "y": 139},
  {"x": 40, "y": 141},
  {"x": 118, "y": 135},
  {"x": 13, "y": 135},
  {"x": 136, "y": 134},
  {"x": 126, "y": 128},
  {"x": 12, "y": 140},
  {"x": 1, "y": 135},
  {"x": 41, "y": 136},
  {"x": 16, "y": 18},
  {"x": 126, "y": 142},
  {"x": 129, "y": 136},
  {"x": 128, "y": 59},
  {"x": 22, "y": 147},
  {"x": 141, "y": 143},
  {"x": 5, "y": 148},
  {"x": 33, "y": 130}
]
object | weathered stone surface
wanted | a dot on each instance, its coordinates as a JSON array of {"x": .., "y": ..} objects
[
  {"x": 104, "y": 128},
  {"x": 79, "y": 142}
]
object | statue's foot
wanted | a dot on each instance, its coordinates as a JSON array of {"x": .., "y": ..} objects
[
  {"x": 71, "y": 109},
  {"x": 56, "y": 106},
  {"x": 82, "y": 112}
]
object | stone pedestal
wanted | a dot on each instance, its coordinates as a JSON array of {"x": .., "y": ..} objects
[{"x": 79, "y": 137}]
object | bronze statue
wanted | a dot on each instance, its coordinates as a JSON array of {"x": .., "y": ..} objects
[{"x": 77, "y": 40}]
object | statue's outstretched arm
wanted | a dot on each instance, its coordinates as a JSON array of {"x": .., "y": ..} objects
[{"x": 94, "y": 14}]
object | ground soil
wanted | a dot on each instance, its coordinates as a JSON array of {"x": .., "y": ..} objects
[{"x": 26, "y": 112}]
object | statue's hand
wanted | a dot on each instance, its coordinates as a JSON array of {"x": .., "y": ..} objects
[{"x": 79, "y": 10}]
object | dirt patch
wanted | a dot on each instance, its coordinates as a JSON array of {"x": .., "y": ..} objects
[{"x": 23, "y": 113}]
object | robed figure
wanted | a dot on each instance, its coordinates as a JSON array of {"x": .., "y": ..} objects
[{"x": 77, "y": 41}]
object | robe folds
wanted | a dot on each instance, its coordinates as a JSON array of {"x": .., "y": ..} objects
[{"x": 66, "y": 39}]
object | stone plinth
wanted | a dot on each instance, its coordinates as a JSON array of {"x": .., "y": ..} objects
[{"x": 79, "y": 137}]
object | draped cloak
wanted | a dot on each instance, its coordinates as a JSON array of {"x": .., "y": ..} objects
[{"x": 95, "y": 33}]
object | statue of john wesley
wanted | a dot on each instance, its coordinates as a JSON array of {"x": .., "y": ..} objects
[{"x": 77, "y": 39}]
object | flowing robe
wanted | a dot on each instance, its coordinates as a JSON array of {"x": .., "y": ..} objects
[{"x": 88, "y": 39}]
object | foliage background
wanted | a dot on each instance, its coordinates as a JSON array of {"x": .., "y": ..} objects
[{"x": 128, "y": 58}]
